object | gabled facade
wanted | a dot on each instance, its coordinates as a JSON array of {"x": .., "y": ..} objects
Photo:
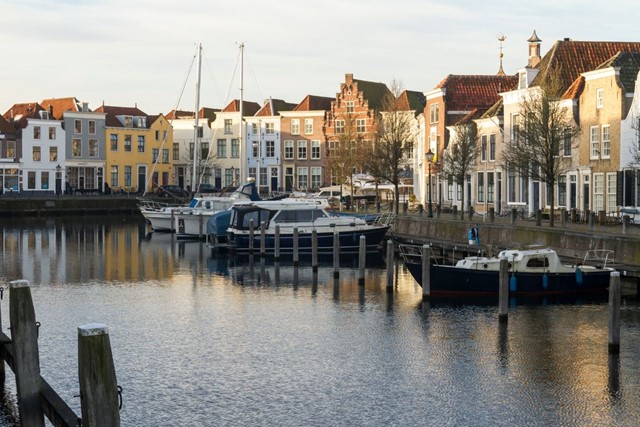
[
  {"x": 412, "y": 103},
  {"x": 303, "y": 150},
  {"x": 43, "y": 163},
  {"x": 56, "y": 107},
  {"x": 8, "y": 170}
]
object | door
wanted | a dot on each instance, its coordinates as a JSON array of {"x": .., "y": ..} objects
[
  {"x": 573, "y": 191},
  {"x": 274, "y": 179},
  {"x": 142, "y": 178}
]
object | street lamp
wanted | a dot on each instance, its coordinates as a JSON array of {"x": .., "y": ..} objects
[{"x": 429, "y": 157}]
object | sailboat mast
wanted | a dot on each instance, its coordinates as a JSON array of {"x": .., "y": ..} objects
[
  {"x": 243, "y": 161},
  {"x": 196, "y": 124}
]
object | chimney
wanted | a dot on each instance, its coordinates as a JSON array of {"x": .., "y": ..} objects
[
  {"x": 50, "y": 111},
  {"x": 534, "y": 49},
  {"x": 348, "y": 78}
]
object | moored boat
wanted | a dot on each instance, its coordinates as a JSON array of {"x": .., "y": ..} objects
[{"x": 531, "y": 272}]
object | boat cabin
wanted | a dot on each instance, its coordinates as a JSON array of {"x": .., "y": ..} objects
[{"x": 280, "y": 212}]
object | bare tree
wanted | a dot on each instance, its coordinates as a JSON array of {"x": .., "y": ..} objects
[
  {"x": 545, "y": 127},
  {"x": 460, "y": 156},
  {"x": 346, "y": 151},
  {"x": 394, "y": 138}
]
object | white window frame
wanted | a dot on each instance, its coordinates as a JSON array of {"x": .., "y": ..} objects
[
  {"x": 295, "y": 126},
  {"x": 302, "y": 149},
  {"x": 350, "y": 106},
  {"x": 308, "y": 126},
  {"x": 594, "y": 142},
  {"x": 606, "y": 141},
  {"x": 339, "y": 126},
  {"x": 315, "y": 150},
  {"x": 598, "y": 192},
  {"x": 288, "y": 150},
  {"x": 599, "y": 98},
  {"x": 612, "y": 185},
  {"x": 361, "y": 125},
  {"x": 269, "y": 128}
]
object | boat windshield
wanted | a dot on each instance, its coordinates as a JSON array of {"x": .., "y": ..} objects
[{"x": 298, "y": 215}]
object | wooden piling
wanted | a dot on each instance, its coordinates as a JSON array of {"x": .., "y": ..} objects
[
  {"x": 390, "y": 264},
  {"x": 97, "y": 377},
  {"x": 24, "y": 337},
  {"x": 362, "y": 258},
  {"x": 514, "y": 215},
  {"x": 200, "y": 225},
  {"x": 251, "y": 234},
  {"x": 263, "y": 238},
  {"x": 296, "y": 254},
  {"x": 173, "y": 221},
  {"x": 336, "y": 254},
  {"x": 276, "y": 244},
  {"x": 614, "y": 312},
  {"x": 314, "y": 250},
  {"x": 426, "y": 272},
  {"x": 2, "y": 355},
  {"x": 503, "y": 296},
  {"x": 625, "y": 223},
  {"x": 492, "y": 215}
]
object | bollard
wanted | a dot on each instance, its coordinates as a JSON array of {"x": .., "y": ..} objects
[
  {"x": 24, "y": 337},
  {"x": 426, "y": 272},
  {"x": 625, "y": 224},
  {"x": 362, "y": 258},
  {"x": 592, "y": 221},
  {"x": 390, "y": 264},
  {"x": 336, "y": 255},
  {"x": 276, "y": 267},
  {"x": 251, "y": 233},
  {"x": 454, "y": 210},
  {"x": 438, "y": 211},
  {"x": 538, "y": 217},
  {"x": 314, "y": 250},
  {"x": 614, "y": 312},
  {"x": 514, "y": 215},
  {"x": 492, "y": 215},
  {"x": 263, "y": 238},
  {"x": 296, "y": 255},
  {"x": 563, "y": 216},
  {"x": 503, "y": 296},
  {"x": 97, "y": 376},
  {"x": 276, "y": 244}
]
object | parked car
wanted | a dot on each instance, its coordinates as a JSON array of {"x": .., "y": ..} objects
[
  {"x": 172, "y": 191},
  {"x": 208, "y": 188}
]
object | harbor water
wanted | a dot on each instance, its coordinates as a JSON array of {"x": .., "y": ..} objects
[{"x": 214, "y": 340}]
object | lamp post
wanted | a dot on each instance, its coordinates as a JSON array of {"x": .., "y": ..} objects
[
  {"x": 429, "y": 157},
  {"x": 58, "y": 180},
  {"x": 233, "y": 176}
]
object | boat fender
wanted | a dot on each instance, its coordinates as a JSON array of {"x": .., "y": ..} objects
[
  {"x": 578, "y": 276},
  {"x": 513, "y": 283},
  {"x": 545, "y": 281}
]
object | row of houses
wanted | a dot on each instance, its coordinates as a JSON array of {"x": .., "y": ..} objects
[{"x": 56, "y": 143}]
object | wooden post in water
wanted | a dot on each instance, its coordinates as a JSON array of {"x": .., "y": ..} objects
[
  {"x": 97, "y": 377},
  {"x": 514, "y": 215},
  {"x": 314, "y": 250},
  {"x": 426, "y": 272},
  {"x": 276, "y": 244},
  {"x": 625, "y": 223},
  {"x": 24, "y": 337},
  {"x": 296, "y": 255},
  {"x": 263, "y": 238},
  {"x": 592, "y": 221},
  {"x": 614, "y": 312},
  {"x": 336, "y": 254},
  {"x": 362, "y": 258},
  {"x": 251, "y": 234},
  {"x": 390, "y": 264},
  {"x": 173, "y": 221},
  {"x": 503, "y": 296},
  {"x": 492, "y": 215},
  {"x": 2, "y": 369},
  {"x": 201, "y": 225}
]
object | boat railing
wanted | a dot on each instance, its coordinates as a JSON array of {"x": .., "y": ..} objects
[
  {"x": 387, "y": 218},
  {"x": 155, "y": 205},
  {"x": 412, "y": 254},
  {"x": 599, "y": 257}
]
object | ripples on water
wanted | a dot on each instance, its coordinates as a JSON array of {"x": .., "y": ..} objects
[{"x": 201, "y": 340}]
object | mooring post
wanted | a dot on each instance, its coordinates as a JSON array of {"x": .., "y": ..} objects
[
  {"x": 276, "y": 244},
  {"x": 2, "y": 369},
  {"x": 390, "y": 264},
  {"x": 201, "y": 225},
  {"x": 314, "y": 250},
  {"x": 362, "y": 259},
  {"x": 251, "y": 234},
  {"x": 492, "y": 215},
  {"x": 592, "y": 221},
  {"x": 614, "y": 312},
  {"x": 426, "y": 272},
  {"x": 514, "y": 215},
  {"x": 336, "y": 254},
  {"x": 625, "y": 223},
  {"x": 24, "y": 337},
  {"x": 503, "y": 297},
  {"x": 263, "y": 238},
  {"x": 296, "y": 255},
  {"x": 172, "y": 227},
  {"x": 99, "y": 394}
]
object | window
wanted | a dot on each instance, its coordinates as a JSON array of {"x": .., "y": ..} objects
[
  {"x": 44, "y": 180},
  {"x": 339, "y": 126},
  {"x": 449, "y": 190},
  {"x": 165, "y": 155},
  {"x": 315, "y": 150},
  {"x": 53, "y": 154},
  {"x": 611, "y": 192},
  {"x": 155, "y": 152},
  {"x": 36, "y": 132},
  {"x": 522, "y": 80},
  {"x": 37, "y": 155},
  {"x": 176, "y": 151},
  {"x": 434, "y": 113},
  {"x": 295, "y": 126},
  {"x": 492, "y": 147},
  {"x": 263, "y": 177},
  {"x": 270, "y": 148},
  {"x": 11, "y": 149},
  {"x": 252, "y": 173},
  {"x": 204, "y": 150},
  {"x": 227, "y": 125},
  {"x": 93, "y": 148},
  {"x": 31, "y": 180},
  {"x": 77, "y": 126},
  {"x": 302, "y": 150},
  {"x": 228, "y": 177},
  {"x": 594, "y": 142},
  {"x": 157, "y": 135},
  {"x": 308, "y": 126},
  {"x": 127, "y": 143},
  {"x": 76, "y": 147},
  {"x": 316, "y": 177},
  {"x": 235, "y": 148},
  {"x": 128, "y": 121},
  {"x": 288, "y": 150},
  {"x": 52, "y": 133},
  {"x": 92, "y": 127},
  {"x": 140, "y": 143},
  {"x": 361, "y": 125},
  {"x": 562, "y": 190},
  {"x": 483, "y": 148},
  {"x": 599, "y": 98},
  {"x": 481, "y": 187},
  {"x": 303, "y": 178},
  {"x": 490, "y": 187},
  {"x": 515, "y": 127},
  {"x": 254, "y": 128},
  {"x": 127, "y": 176},
  {"x": 221, "y": 148},
  {"x": 567, "y": 142},
  {"x": 598, "y": 192},
  {"x": 256, "y": 149},
  {"x": 351, "y": 106},
  {"x": 114, "y": 176},
  {"x": 113, "y": 138},
  {"x": 606, "y": 141},
  {"x": 538, "y": 262},
  {"x": 269, "y": 128}
]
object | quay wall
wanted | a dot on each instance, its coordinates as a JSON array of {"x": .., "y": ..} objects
[{"x": 67, "y": 205}]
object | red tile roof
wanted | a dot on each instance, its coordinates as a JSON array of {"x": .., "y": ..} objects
[
  {"x": 314, "y": 103},
  {"x": 58, "y": 106},
  {"x": 466, "y": 92},
  {"x": 411, "y": 100},
  {"x": 18, "y": 114},
  {"x": 249, "y": 108},
  {"x": 5, "y": 126},
  {"x": 112, "y": 113},
  {"x": 575, "y": 89},
  {"x": 278, "y": 106}
]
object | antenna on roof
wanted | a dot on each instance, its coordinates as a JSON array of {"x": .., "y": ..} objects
[{"x": 501, "y": 39}]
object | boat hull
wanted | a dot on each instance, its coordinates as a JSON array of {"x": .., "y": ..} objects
[{"x": 453, "y": 281}]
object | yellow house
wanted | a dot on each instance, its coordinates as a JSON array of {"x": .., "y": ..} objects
[{"x": 138, "y": 149}]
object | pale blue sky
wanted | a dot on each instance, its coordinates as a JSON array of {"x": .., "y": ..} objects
[{"x": 127, "y": 52}]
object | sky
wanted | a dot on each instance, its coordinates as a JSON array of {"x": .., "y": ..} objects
[{"x": 141, "y": 52}]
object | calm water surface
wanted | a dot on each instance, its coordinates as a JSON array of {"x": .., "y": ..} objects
[{"x": 219, "y": 341}]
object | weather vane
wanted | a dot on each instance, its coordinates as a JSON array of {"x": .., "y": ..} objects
[{"x": 501, "y": 39}]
